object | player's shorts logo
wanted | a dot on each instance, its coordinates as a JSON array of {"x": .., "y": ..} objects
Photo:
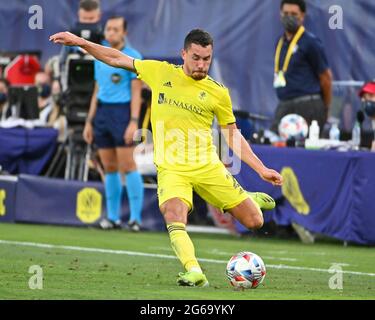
[
  {"x": 236, "y": 185},
  {"x": 89, "y": 205}
]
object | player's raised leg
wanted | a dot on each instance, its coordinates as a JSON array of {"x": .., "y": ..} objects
[
  {"x": 217, "y": 186},
  {"x": 175, "y": 213},
  {"x": 248, "y": 213}
]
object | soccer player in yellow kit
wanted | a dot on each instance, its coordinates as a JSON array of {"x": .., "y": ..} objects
[{"x": 184, "y": 102}]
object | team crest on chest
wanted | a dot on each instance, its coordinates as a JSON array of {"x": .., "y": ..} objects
[{"x": 202, "y": 95}]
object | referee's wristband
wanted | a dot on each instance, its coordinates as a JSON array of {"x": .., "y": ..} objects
[{"x": 134, "y": 119}]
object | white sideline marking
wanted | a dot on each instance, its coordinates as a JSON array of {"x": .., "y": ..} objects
[
  {"x": 342, "y": 264},
  {"x": 297, "y": 253},
  {"x": 144, "y": 254},
  {"x": 223, "y": 253}
]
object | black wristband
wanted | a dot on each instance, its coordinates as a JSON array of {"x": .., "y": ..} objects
[{"x": 134, "y": 119}]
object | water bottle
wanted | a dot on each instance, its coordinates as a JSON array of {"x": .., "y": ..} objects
[
  {"x": 314, "y": 131},
  {"x": 334, "y": 132},
  {"x": 356, "y": 135}
]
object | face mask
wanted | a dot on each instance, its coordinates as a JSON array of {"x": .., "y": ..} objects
[
  {"x": 3, "y": 97},
  {"x": 44, "y": 90},
  {"x": 290, "y": 23},
  {"x": 369, "y": 108}
]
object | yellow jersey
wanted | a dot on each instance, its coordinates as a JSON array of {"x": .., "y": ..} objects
[{"x": 182, "y": 113}]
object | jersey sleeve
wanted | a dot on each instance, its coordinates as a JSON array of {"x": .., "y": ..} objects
[
  {"x": 136, "y": 55},
  {"x": 148, "y": 71},
  {"x": 96, "y": 69},
  {"x": 224, "y": 110}
]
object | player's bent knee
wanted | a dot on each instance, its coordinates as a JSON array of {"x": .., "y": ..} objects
[
  {"x": 254, "y": 223},
  {"x": 259, "y": 223},
  {"x": 174, "y": 211},
  {"x": 171, "y": 216}
]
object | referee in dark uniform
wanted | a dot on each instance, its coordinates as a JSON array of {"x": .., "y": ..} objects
[{"x": 303, "y": 80}]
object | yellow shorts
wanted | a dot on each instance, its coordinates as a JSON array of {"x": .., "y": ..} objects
[{"x": 214, "y": 184}]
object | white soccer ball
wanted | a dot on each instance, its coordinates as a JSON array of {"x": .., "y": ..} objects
[
  {"x": 293, "y": 126},
  {"x": 246, "y": 270}
]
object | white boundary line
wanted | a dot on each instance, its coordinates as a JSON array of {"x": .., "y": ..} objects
[
  {"x": 155, "y": 255},
  {"x": 223, "y": 253}
]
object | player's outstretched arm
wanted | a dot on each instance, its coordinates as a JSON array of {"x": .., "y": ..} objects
[
  {"x": 242, "y": 149},
  {"x": 109, "y": 56}
]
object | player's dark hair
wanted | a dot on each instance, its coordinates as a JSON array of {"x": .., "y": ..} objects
[
  {"x": 124, "y": 22},
  {"x": 89, "y": 5},
  {"x": 198, "y": 36},
  {"x": 300, "y": 3}
]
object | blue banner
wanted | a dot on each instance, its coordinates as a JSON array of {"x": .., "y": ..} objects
[
  {"x": 57, "y": 201},
  {"x": 25, "y": 150},
  {"x": 327, "y": 192},
  {"x": 8, "y": 186}
]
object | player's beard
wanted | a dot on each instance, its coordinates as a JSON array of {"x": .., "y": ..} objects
[{"x": 198, "y": 75}]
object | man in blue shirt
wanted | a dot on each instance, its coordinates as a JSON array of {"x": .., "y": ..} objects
[
  {"x": 111, "y": 124},
  {"x": 303, "y": 80}
]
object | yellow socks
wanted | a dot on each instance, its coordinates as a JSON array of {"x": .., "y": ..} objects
[{"x": 182, "y": 246}]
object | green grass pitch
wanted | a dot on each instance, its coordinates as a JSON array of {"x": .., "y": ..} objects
[{"x": 80, "y": 263}]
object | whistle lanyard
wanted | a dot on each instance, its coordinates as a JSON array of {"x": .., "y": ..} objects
[{"x": 289, "y": 53}]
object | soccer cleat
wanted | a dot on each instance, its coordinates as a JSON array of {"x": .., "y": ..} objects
[
  {"x": 107, "y": 224},
  {"x": 192, "y": 279},
  {"x": 264, "y": 201},
  {"x": 134, "y": 226}
]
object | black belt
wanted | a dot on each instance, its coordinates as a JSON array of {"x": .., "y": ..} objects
[
  {"x": 309, "y": 97},
  {"x": 111, "y": 104}
]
